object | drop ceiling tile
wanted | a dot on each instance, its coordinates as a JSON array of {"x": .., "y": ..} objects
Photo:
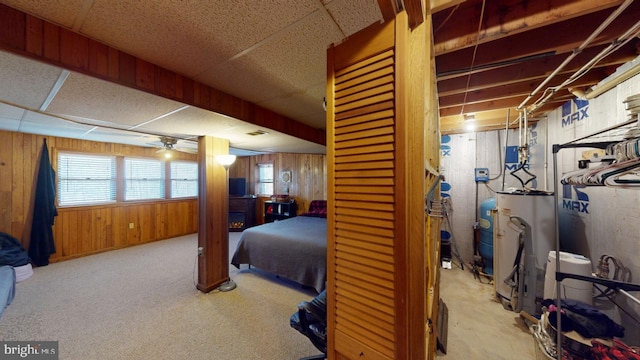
[
  {"x": 248, "y": 80},
  {"x": 282, "y": 68},
  {"x": 121, "y": 137},
  {"x": 298, "y": 56},
  {"x": 217, "y": 30},
  {"x": 7, "y": 124},
  {"x": 63, "y": 13},
  {"x": 24, "y": 82},
  {"x": 37, "y": 123},
  {"x": 8, "y": 112},
  {"x": 354, "y": 15},
  {"x": 94, "y": 99},
  {"x": 200, "y": 122},
  {"x": 203, "y": 122},
  {"x": 306, "y": 107}
]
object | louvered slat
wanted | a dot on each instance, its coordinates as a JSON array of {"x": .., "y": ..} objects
[{"x": 364, "y": 178}]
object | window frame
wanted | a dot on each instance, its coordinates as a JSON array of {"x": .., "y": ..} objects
[
  {"x": 120, "y": 178},
  {"x": 169, "y": 185},
  {"x": 114, "y": 180},
  {"x": 161, "y": 180},
  {"x": 260, "y": 181}
]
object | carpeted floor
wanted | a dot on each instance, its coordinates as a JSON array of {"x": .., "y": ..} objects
[{"x": 141, "y": 303}]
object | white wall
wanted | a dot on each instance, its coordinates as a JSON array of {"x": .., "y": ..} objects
[
  {"x": 608, "y": 223},
  {"x": 462, "y": 153}
]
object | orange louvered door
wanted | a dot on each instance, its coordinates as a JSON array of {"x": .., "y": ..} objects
[{"x": 376, "y": 181}]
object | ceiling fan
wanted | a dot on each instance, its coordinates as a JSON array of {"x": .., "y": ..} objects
[{"x": 169, "y": 145}]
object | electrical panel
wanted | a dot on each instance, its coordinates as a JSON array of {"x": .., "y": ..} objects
[{"x": 482, "y": 174}]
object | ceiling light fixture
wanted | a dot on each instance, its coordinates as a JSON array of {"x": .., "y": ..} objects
[
  {"x": 469, "y": 117},
  {"x": 167, "y": 142}
]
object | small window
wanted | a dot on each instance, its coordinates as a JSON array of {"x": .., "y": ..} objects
[
  {"x": 86, "y": 179},
  {"x": 265, "y": 179},
  {"x": 144, "y": 179},
  {"x": 184, "y": 179}
]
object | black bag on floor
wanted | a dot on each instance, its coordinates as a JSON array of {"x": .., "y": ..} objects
[{"x": 11, "y": 252}]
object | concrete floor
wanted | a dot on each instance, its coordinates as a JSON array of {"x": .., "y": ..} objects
[{"x": 479, "y": 327}]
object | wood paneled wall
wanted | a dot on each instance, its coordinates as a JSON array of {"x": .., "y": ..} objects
[
  {"x": 81, "y": 231},
  {"x": 308, "y": 172}
]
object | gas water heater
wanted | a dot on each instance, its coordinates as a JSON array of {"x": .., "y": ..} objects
[{"x": 537, "y": 209}]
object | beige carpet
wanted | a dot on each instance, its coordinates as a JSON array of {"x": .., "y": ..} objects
[{"x": 141, "y": 303}]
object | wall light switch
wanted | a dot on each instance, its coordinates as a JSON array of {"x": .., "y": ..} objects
[{"x": 131, "y": 226}]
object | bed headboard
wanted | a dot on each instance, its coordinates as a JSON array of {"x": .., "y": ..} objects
[{"x": 317, "y": 208}]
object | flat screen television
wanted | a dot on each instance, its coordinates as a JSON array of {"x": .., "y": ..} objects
[{"x": 237, "y": 186}]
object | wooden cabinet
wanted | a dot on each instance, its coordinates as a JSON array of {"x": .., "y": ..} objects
[
  {"x": 242, "y": 212},
  {"x": 274, "y": 211}
]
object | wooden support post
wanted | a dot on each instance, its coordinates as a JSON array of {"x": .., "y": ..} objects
[{"x": 213, "y": 238}]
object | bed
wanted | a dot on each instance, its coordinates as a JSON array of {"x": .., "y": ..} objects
[{"x": 294, "y": 248}]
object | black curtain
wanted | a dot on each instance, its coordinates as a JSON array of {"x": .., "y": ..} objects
[{"x": 44, "y": 212}]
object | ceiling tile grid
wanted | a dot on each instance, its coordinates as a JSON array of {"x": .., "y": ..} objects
[
  {"x": 25, "y": 83},
  {"x": 38, "y": 123},
  {"x": 298, "y": 56},
  {"x": 354, "y": 15},
  {"x": 95, "y": 99}
]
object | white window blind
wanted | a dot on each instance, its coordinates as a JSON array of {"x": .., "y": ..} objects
[
  {"x": 86, "y": 179},
  {"x": 184, "y": 179},
  {"x": 144, "y": 179},
  {"x": 265, "y": 179}
]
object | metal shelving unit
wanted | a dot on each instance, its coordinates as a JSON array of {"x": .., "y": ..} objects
[{"x": 586, "y": 142}]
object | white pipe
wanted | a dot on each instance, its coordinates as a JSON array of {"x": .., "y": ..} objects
[
  {"x": 576, "y": 51},
  {"x": 506, "y": 142},
  {"x": 520, "y": 129},
  {"x": 546, "y": 158},
  {"x": 630, "y": 34},
  {"x": 526, "y": 131},
  {"x": 631, "y": 297}
]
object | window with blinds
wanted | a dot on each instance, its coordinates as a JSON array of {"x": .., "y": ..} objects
[
  {"x": 143, "y": 179},
  {"x": 265, "y": 179},
  {"x": 86, "y": 179},
  {"x": 184, "y": 179}
]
